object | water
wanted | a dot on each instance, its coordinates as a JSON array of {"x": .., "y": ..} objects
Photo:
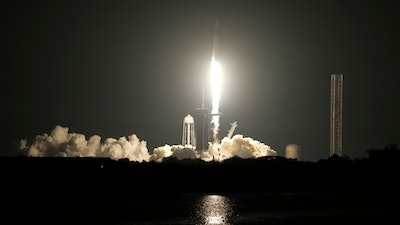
[{"x": 210, "y": 209}]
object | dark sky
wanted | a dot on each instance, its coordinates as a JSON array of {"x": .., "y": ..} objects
[{"x": 116, "y": 68}]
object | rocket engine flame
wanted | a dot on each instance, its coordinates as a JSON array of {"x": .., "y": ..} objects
[{"x": 216, "y": 87}]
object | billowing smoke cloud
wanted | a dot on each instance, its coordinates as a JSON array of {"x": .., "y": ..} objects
[
  {"x": 61, "y": 143},
  {"x": 177, "y": 151},
  {"x": 239, "y": 146}
]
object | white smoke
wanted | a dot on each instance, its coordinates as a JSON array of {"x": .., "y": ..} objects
[
  {"x": 61, "y": 143},
  {"x": 244, "y": 147},
  {"x": 160, "y": 153},
  {"x": 178, "y": 151}
]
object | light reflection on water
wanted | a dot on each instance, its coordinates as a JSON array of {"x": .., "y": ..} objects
[
  {"x": 215, "y": 210},
  {"x": 203, "y": 209}
]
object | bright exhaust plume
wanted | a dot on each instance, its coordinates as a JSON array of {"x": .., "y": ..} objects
[{"x": 216, "y": 88}]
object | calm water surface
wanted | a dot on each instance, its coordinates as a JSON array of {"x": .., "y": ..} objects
[{"x": 212, "y": 209}]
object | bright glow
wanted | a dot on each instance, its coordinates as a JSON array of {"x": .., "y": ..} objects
[
  {"x": 214, "y": 220},
  {"x": 215, "y": 210},
  {"x": 216, "y": 87}
]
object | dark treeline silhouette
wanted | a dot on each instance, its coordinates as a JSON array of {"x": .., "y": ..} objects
[{"x": 36, "y": 175}]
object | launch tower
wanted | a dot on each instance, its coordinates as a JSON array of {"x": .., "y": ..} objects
[
  {"x": 203, "y": 115},
  {"x": 336, "y": 115},
  {"x": 208, "y": 128}
]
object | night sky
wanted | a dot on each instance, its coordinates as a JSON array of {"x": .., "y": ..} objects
[{"x": 116, "y": 68}]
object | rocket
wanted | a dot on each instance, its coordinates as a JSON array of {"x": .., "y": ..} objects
[
  {"x": 215, "y": 41},
  {"x": 214, "y": 51}
]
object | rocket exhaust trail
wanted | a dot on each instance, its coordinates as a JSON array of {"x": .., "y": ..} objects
[{"x": 216, "y": 81}]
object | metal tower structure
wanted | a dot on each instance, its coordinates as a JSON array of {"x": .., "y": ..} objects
[
  {"x": 336, "y": 118},
  {"x": 203, "y": 129},
  {"x": 188, "y": 133}
]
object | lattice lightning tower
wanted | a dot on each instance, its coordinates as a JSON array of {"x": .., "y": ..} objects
[{"x": 336, "y": 128}]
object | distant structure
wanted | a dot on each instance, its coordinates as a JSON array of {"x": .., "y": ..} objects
[
  {"x": 292, "y": 151},
  {"x": 203, "y": 128},
  {"x": 188, "y": 133},
  {"x": 336, "y": 130}
]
